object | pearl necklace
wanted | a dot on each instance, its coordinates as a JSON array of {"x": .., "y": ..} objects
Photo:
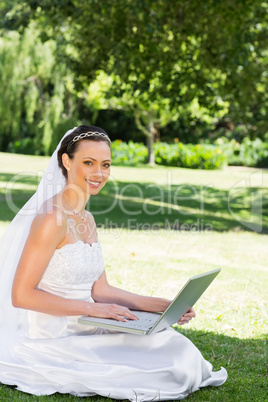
[{"x": 83, "y": 217}]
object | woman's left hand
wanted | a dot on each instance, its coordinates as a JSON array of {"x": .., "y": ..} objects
[{"x": 186, "y": 318}]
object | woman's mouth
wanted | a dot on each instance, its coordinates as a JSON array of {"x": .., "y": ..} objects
[{"x": 94, "y": 184}]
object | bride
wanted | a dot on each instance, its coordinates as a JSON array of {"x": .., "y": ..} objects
[{"x": 52, "y": 272}]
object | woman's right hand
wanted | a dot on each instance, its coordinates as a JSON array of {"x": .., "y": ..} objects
[{"x": 103, "y": 310}]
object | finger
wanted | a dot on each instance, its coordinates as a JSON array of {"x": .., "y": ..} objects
[
  {"x": 191, "y": 311},
  {"x": 123, "y": 318},
  {"x": 118, "y": 318},
  {"x": 188, "y": 315},
  {"x": 184, "y": 320},
  {"x": 129, "y": 315},
  {"x": 124, "y": 312}
]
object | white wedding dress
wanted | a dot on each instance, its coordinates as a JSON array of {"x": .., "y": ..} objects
[{"x": 60, "y": 355}]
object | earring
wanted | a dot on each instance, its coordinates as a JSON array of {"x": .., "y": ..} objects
[{"x": 68, "y": 168}]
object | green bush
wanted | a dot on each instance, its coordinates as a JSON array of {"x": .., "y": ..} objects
[
  {"x": 129, "y": 154},
  {"x": 177, "y": 154},
  {"x": 201, "y": 156},
  {"x": 166, "y": 154},
  {"x": 27, "y": 146},
  {"x": 252, "y": 153}
]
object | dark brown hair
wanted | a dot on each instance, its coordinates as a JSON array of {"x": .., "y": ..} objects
[{"x": 69, "y": 148}]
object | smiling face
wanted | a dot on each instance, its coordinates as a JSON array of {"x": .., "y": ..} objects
[{"x": 90, "y": 166}]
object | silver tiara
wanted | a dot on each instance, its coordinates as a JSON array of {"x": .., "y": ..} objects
[{"x": 88, "y": 134}]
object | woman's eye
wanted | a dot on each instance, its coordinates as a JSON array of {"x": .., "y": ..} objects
[
  {"x": 88, "y": 163},
  {"x": 107, "y": 165}
]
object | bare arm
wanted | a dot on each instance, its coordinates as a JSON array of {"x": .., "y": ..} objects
[
  {"x": 102, "y": 292},
  {"x": 46, "y": 234}
]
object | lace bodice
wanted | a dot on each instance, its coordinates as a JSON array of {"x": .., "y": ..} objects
[{"x": 75, "y": 264}]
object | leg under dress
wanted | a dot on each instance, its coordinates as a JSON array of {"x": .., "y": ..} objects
[
  {"x": 57, "y": 354},
  {"x": 163, "y": 366}
]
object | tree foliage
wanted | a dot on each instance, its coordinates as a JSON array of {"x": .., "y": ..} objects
[
  {"x": 207, "y": 59},
  {"x": 34, "y": 91}
]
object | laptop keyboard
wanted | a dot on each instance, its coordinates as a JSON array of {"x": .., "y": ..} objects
[{"x": 146, "y": 320}]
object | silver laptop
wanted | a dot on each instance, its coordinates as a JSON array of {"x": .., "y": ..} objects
[{"x": 150, "y": 323}]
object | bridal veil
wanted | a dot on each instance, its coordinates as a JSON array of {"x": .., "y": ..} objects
[{"x": 12, "y": 320}]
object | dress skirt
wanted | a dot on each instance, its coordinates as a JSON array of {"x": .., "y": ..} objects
[{"x": 163, "y": 366}]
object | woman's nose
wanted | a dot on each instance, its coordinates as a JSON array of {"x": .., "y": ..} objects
[{"x": 97, "y": 171}]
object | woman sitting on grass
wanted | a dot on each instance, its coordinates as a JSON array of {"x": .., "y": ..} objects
[{"x": 54, "y": 260}]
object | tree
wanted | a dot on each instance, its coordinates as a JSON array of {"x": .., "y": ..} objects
[
  {"x": 34, "y": 92},
  {"x": 102, "y": 93},
  {"x": 192, "y": 55},
  {"x": 149, "y": 115}
]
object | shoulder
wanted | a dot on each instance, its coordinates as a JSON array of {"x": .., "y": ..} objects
[{"x": 50, "y": 222}]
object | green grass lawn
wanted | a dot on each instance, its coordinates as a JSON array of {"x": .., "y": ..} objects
[{"x": 161, "y": 226}]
